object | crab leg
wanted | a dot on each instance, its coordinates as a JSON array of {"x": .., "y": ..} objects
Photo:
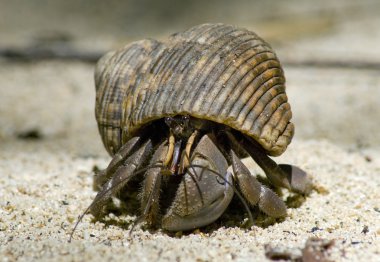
[
  {"x": 254, "y": 192},
  {"x": 287, "y": 176},
  {"x": 299, "y": 180},
  {"x": 151, "y": 188},
  {"x": 120, "y": 177},
  {"x": 102, "y": 176}
]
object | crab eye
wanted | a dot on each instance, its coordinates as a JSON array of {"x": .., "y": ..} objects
[
  {"x": 168, "y": 120},
  {"x": 185, "y": 120}
]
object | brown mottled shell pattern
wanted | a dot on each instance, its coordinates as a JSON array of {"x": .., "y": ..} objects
[{"x": 216, "y": 72}]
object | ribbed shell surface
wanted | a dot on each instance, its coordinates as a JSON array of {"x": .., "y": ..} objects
[{"x": 213, "y": 71}]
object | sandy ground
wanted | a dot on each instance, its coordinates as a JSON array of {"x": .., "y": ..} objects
[{"x": 46, "y": 183}]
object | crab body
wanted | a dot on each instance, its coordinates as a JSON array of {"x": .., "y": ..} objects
[{"x": 186, "y": 109}]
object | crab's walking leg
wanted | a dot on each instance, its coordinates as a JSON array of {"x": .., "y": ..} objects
[
  {"x": 120, "y": 177},
  {"x": 299, "y": 180},
  {"x": 128, "y": 148},
  {"x": 287, "y": 176},
  {"x": 151, "y": 188},
  {"x": 254, "y": 192}
]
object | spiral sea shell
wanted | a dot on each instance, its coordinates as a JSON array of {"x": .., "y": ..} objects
[{"x": 214, "y": 72}]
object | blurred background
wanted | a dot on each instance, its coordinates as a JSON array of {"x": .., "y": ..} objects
[{"x": 329, "y": 50}]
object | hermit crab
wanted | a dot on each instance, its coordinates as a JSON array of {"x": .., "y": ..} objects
[{"x": 176, "y": 114}]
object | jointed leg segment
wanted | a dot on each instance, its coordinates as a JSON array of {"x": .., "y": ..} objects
[
  {"x": 117, "y": 160},
  {"x": 287, "y": 176},
  {"x": 124, "y": 172},
  {"x": 152, "y": 183},
  {"x": 256, "y": 193}
]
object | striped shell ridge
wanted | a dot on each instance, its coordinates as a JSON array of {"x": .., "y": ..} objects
[{"x": 215, "y": 72}]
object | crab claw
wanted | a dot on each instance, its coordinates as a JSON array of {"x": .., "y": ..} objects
[{"x": 204, "y": 192}]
